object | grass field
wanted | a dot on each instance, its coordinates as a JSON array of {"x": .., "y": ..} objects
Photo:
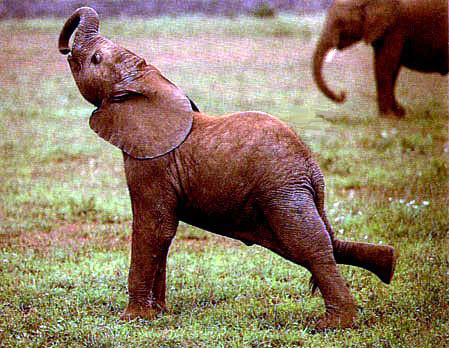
[{"x": 65, "y": 213}]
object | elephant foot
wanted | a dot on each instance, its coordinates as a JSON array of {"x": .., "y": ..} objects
[
  {"x": 397, "y": 111},
  {"x": 386, "y": 266},
  {"x": 337, "y": 319},
  {"x": 147, "y": 312}
]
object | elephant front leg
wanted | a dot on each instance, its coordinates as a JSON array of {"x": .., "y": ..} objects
[
  {"x": 387, "y": 65},
  {"x": 146, "y": 282},
  {"x": 160, "y": 284}
]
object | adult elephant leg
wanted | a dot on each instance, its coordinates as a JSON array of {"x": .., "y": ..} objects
[
  {"x": 387, "y": 55},
  {"x": 303, "y": 239},
  {"x": 151, "y": 238},
  {"x": 398, "y": 109}
]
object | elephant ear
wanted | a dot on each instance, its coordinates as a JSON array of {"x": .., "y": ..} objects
[
  {"x": 146, "y": 118},
  {"x": 379, "y": 15}
]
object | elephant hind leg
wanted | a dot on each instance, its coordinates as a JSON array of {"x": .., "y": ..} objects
[
  {"x": 339, "y": 303},
  {"x": 378, "y": 259},
  {"x": 303, "y": 239}
]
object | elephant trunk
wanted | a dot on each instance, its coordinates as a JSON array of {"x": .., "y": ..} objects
[
  {"x": 321, "y": 51},
  {"x": 86, "y": 20},
  {"x": 379, "y": 259}
]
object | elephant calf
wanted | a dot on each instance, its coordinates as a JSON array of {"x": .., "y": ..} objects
[{"x": 245, "y": 176}]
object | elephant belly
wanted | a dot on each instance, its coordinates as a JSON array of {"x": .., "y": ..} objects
[
  {"x": 248, "y": 226},
  {"x": 426, "y": 48},
  {"x": 224, "y": 217},
  {"x": 430, "y": 59}
]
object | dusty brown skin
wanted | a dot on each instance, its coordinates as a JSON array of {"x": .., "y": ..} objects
[
  {"x": 410, "y": 33},
  {"x": 246, "y": 176}
]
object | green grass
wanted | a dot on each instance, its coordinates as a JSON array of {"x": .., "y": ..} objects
[{"x": 65, "y": 213}]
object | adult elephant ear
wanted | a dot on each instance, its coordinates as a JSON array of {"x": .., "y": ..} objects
[
  {"x": 146, "y": 117},
  {"x": 379, "y": 15}
]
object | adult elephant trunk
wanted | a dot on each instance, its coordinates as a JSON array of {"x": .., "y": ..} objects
[
  {"x": 86, "y": 20},
  {"x": 324, "y": 46}
]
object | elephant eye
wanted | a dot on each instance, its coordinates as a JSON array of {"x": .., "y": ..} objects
[{"x": 96, "y": 58}]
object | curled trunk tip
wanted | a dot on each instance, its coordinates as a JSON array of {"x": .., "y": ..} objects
[
  {"x": 320, "y": 54},
  {"x": 86, "y": 20}
]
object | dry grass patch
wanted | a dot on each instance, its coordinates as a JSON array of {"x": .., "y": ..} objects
[{"x": 72, "y": 236}]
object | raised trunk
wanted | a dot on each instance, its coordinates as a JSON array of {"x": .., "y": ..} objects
[
  {"x": 322, "y": 49},
  {"x": 379, "y": 259},
  {"x": 87, "y": 21}
]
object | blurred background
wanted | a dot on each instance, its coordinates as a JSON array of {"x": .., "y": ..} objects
[{"x": 58, "y": 8}]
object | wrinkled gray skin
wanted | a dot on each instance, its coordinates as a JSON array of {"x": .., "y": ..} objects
[
  {"x": 410, "y": 33},
  {"x": 246, "y": 176}
]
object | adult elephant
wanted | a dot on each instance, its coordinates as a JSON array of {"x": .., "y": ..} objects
[{"x": 410, "y": 33}]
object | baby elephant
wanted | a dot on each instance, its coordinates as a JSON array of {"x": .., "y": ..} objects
[{"x": 246, "y": 176}]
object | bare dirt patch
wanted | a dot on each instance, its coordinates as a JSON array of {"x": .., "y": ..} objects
[{"x": 71, "y": 236}]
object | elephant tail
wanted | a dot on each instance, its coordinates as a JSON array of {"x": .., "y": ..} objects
[{"x": 318, "y": 185}]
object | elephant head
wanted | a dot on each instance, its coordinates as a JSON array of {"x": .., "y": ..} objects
[
  {"x": 138, "y": 109},
  {"x": 347, "y": 22}
]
